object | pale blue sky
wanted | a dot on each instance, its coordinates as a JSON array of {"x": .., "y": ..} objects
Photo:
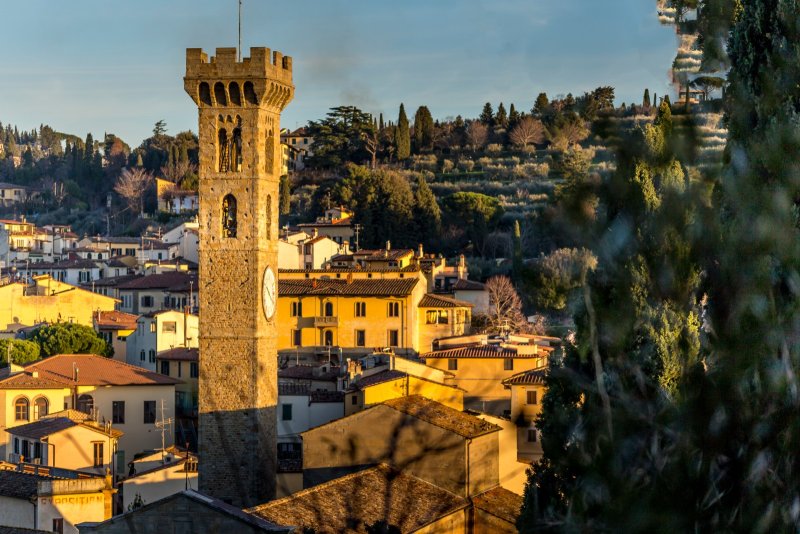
[{"x": 107, "y": 65}]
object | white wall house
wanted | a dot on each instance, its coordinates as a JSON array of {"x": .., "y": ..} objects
[{"x": 158, "y": 332}]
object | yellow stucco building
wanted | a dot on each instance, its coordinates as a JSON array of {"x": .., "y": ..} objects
[
  {"x": 51, "y": 301},
  {"x": 360, "y": 311}
]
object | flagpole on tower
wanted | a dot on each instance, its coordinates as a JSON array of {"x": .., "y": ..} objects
[{"x": 240, "y": 30}]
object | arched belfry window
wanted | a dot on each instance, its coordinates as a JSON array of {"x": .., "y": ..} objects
[
  {"x": 229, "y": 216},
  {"x": 205, "y": 93},
  {"x": 236, "y": 147},
  {"x": 224, "y": 150}
]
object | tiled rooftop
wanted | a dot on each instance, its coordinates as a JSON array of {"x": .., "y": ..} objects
[
  {"x": 468, "y": 285},
  {"x": 179, "y": 354},
  {"x": 175, "y": 281},
  {"x": 350, "y": 503},
  {"x": 438, "y": 301},
  {"x": 528, "y": 378},
  {"x": 499, "y": 502},
  {"x": 359, "y": 287},
  {"x": 442, "y": 416},
  {"x": 482, "y": 351},
  {"x": 115, "y": 320},
  {"x": 378, "y": 378},
  {"x": 57, "y": 422},
  {"x": 57, "y": 372}
]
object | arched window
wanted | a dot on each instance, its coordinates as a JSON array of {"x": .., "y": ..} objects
[
  {"x": 205, "y": 93},
  {"x": 219, "y": 94},
  {"x": 223, "y": 151},
  {"x": 236, "y": 96},
  {"x": 236, "y": 150},
  {"x": 250, "y": 93},
  {"x": 269, "y": 216},
  {"x": 40, "y": 408},
  {"x": 329, "y": 309},
  {"x": 328, "y": 338},
  {"x": 229, "y": 216},
  {"x": 85, "y": 403},
  {"x": 21, "y": 409}
]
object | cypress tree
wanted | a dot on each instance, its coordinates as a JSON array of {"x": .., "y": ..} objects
[
  {"x": 513, "y": 117},
  {"x": 646, "y": 99},
  {"x": 403, "y": 136},
  {"x": 381, "y": 125},
  {"x": 541, "y": 104},
  {"x": 517, "y": 259},
  {"x": 423, "y": 129}
]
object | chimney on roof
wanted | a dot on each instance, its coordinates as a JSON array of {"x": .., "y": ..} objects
[
  {"x": 314, "y": 233},
  {"x": 388, "y": 246},
  {"x": 314, "y": 283},
  {"x": 420, "y": 252}
]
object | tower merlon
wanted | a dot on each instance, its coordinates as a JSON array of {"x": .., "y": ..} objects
[
  {"x": 263, "y": 79},
  {"x": 262, "y": 63}
]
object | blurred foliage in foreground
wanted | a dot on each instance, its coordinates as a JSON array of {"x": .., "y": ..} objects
[{"x": 677, "y": 408}]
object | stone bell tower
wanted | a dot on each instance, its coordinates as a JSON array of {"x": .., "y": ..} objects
[{"x": 240, "y": 104}]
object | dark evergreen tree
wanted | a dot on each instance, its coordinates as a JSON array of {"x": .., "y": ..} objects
[
  {"x": 487, "y": 115},
  {"x": 513, "y": 117},
  {"x": 541, "y": 105},
  {"x": 402, "y": 136},
  {"x": 646, "y": 99},
  {"x": 423, "y": 129},
  {"x": 501, "y": 117},
  {"x": 427, "y": 215}
]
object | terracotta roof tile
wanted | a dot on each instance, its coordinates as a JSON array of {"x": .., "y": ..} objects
[
  {"x": 468, "y": 285},
  {"x": 93, "y": 370},
  {"x": 534, "y": 377},
  {"x": 438, "y": 301},
  {"x": 18, "y": 485},
  {"x": 359, "y": 287},
  {"x": 378, "y": 378},
  {"x": 57, "y": 422},
  {"x": 501, "y": 503},
  {"x": 175, "y": 281},
  {"x": 306, "y": 372},
  {"x": 115, "y": 320},
  {"x": 179, "y": 354},
  {"x": 442, "y": 416},
  {"x": 482, "y": 351},
  {"x": 352, "y": 502}
]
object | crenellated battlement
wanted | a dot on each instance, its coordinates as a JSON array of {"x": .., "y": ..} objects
[
  {"x": 264, "y": 78},
  {"x": 262, "y": 63}
]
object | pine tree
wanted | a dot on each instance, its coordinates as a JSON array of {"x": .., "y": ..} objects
[
  {"x": 513, "y": 117},
  {"x": 541, "y": 104},
  {"x": 402, "y": 136},
  {"x": 501, "y": 118},
  {"x": 487, "y": 115}
]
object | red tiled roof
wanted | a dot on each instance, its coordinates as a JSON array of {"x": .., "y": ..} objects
[
  {"x": 501, "y": 503},
  {"x": 438, "y": 301},
  {"x": 175, "y": 281},
  {"x": 527, "y": 378},
  {"x": 442, "y": 416},
  {"x": 179, "y": 354},
  {"x": 382, "y": 254},
  {"x": 115, "y": 320},
  {"x": 378, "y": 378},
  {"x": 348, "y": 503},
  {"x": 468, "y": 285},
  {"x": 92, "y": 370},
  {"x": 482, "y": 351},
  {"x": 58, "y": 422},
  {"x": 359, "y": 287}
]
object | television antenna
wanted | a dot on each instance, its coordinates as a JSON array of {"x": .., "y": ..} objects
[
  {"x": 164, "y": 424},
  {"x": 240, "y": 31}
]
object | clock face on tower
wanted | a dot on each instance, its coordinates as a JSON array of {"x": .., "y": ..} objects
[{"x": 269, "y": 293}]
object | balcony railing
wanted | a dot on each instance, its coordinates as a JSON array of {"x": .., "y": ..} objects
[{"x": 326, "y": 321}]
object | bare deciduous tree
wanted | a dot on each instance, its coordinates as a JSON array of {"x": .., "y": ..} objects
[
  {"x": 176, "y": 173},
  {"x": 528, "y": 131},
  {"x": 477, "y": 134},
  {"x": 505, "y": 306},
  {"x": 570, "y": 133},
  {"x": 131, "y": 186}
]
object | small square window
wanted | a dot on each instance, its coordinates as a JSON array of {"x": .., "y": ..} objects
[
  {"x": 508, "y": 364},
  {"x": 532, "y": 435},
  {"x": 452, "y": 364},
  {"x": 532, "y": 397}
]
